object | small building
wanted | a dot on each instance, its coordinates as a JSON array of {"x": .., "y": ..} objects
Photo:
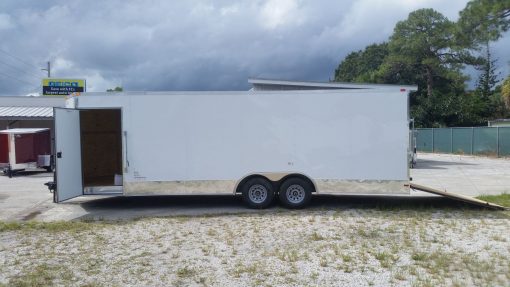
[
  {"x": 28, "y": 112},
  {"x": 25, "y": 149},
  {"x": 499, "y": 123}
]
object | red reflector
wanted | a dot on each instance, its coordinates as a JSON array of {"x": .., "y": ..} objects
[{"x": 402, "y": 90}]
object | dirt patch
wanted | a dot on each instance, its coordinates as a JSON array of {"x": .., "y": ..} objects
[{"x": 31, "y": 215}]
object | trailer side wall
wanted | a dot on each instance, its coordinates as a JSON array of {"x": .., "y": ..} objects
[{"x": 345, "y": 141}]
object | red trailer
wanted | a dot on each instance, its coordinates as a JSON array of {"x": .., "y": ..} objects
[{"x": 25, "y": 149}]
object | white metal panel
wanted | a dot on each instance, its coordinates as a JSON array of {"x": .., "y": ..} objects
[
  {"x": 68, "y": 148},
  {"x": 268, "y": 133},
  {"x": 213, "y": 141},
  {"x": 352, "y": 136},
  {"x": 157, "y": 138}
]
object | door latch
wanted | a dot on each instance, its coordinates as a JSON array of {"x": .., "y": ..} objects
[{"x": 59, "y": 154}]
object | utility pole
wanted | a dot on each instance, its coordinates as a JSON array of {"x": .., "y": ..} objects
[{"x": 48, "y": 69}]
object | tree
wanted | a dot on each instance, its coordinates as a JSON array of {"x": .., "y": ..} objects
[
  {"x": 505, "y": 92},
  {"x": 484, "y": 20},
  {"x": 426, "y": 41},
  {"x": 116, "y": 89},
  {"x": 430, "y": 51},
  {"x": 361, "y": 66},
  {"x": 485, "y": 86},
  {"x": 481, "y": 22},
  {"x": 488, "y": 77}
]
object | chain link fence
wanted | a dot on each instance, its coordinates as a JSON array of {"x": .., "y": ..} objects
[{"x": 490, "y": 141}]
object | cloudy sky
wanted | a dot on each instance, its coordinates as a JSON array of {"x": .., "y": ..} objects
[{"x": 196, "y": 44}]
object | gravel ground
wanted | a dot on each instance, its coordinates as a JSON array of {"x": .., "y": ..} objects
[{"x": 385, "y": 246}]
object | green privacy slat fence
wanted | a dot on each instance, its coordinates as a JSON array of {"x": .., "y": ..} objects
[
  {"x": 461, "y": 141},
  {"x": 494, "y": 141},
  {"x": 504, "y": 141},
  {"x": 424, "y": 140}
]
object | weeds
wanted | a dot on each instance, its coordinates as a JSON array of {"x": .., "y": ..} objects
[
  {"x": 185, "y": 272},
  {"x": 502, "y": 199},
  {"x": 57, "y": 226},
  {"x": 316, "y": 236}
]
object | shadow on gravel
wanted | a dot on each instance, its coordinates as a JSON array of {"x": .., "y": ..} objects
[
  {"x": 437, "y": 164},
  {"x": 114, "y": 208},
  {"x": 41, "y": 173},
  {"x": 392, "y": 202},
  {"x": 167, "y": 201}
]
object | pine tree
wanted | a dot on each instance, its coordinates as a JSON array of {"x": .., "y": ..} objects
[{"x": 488, "y": 77}]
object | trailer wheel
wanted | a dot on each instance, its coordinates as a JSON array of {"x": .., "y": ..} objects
[
  {"x": 295, "y": 193},
  {"x": 258, "y": 193}
]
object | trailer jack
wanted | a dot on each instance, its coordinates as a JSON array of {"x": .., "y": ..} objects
[
  {"x": 52, "y": 186},
  {"x": 8, "y": 171}
]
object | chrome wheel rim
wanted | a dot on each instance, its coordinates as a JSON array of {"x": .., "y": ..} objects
[
  {"x": 295, "y": 193},
  {"x": 257, "y": 193}
]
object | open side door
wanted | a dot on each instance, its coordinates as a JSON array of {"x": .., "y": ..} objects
[{"x": 68, "y": 154}]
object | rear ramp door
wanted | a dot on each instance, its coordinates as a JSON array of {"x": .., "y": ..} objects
[{"x": 458, "y": 197}]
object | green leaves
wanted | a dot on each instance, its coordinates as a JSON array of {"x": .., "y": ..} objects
[
  {"x": 429, "y": 50},
  {"x": 505, "y": 92},
  {"x": 360, "y": 66},
  {"x": 484, "y": 20}
]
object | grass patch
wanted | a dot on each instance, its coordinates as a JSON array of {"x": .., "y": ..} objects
[
  {"x": 289, "y": 256},
  {"x": 57, "y": 226},
  {"x": 42, "y": 275},
  {"x": 186, "y": 272},
  {"x": 250, "y": 269},
  {"x": 419, "y": 256},
  {"x": 502, "y": 199},
  {"x": 316, "y": 236},
  {"x": 385, "y": 259}
]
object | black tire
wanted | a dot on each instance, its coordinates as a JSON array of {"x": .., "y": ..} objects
[
  {"x": 258, "y": 193},
  {"x": 295, "y": 193}
]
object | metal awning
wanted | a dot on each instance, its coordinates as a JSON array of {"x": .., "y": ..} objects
[{"x": 26, "y": 113}]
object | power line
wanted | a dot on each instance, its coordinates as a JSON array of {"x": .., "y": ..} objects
[
  {"x": 19, "y": 59},
  {"x": 14, "y": 78},
  {"x": 18, "y": 69}
]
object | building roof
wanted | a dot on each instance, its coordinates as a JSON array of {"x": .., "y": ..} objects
[
  {"x": 25, "y": 113},
  {"x": 499, "y": 122},
  {"x": 42, "y": 101},
  {"x": 267, "y": 84},
  {"x": 24, "y": 131},
  {"x": 29, "y": 108}
]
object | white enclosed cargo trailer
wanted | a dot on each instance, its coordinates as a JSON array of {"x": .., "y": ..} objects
[{"x": 260, "y": 143}]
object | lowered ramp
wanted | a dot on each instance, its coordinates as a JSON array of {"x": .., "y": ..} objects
[{"x": 458, "y": 197}]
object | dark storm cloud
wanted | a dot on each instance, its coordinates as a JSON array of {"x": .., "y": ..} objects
[{"x": 190, "y": 45}]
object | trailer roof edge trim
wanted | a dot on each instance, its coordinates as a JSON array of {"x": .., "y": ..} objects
[
  {"x": 329, "y": 85},
  {"x": 240, "y": 93}
]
